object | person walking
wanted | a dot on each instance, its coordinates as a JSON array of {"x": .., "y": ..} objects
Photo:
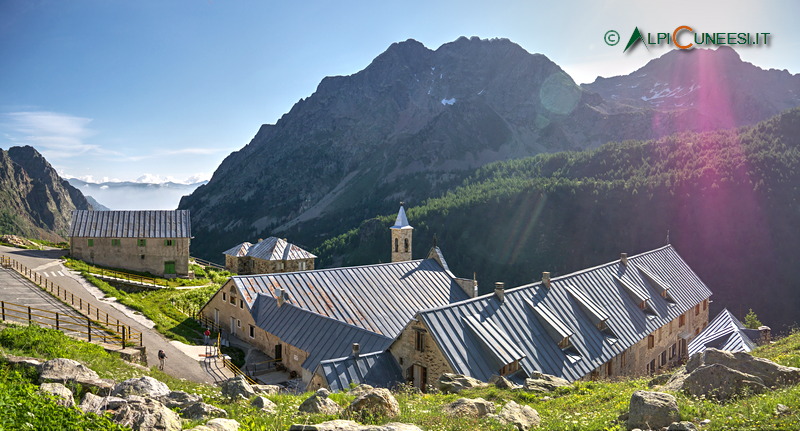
[
  {"x": 162, "y": 359},
  {"x": 207, "y": 335}
]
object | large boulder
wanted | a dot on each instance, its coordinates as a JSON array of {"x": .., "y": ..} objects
[
  {"x": 62, "y": 370},
  {"x": 375, "y": 402},
  {"x": 144, "y": 386},
  {"x": 237, "y": 387},
  {"x": 360, "y": 389},
  {"x": 501, "y": 382},
  {"x": 180, "y": 399},
  {"x": 218, "y": 424},
  {"x": 721, "y": 383},
  {"x": 63, "y": 396},
  {"x": 540, "y": 382},
  {"x": 470, "y": 407},
  {"x": 652, "y": 410},
  {"x": 682, "y": 426},
  {"x": 723, "y": 375},
  {"x": 522, "y": 417},
  {"x": 320, "y": 403},
  {"x": 146, "y": 414},
  {"x": 24, "y": 361},
  {"x": 348, "y": 425},
  {"x": 202, "y": 410},
  {"x": 264, "y": 404},
  {"x": 455, "y": 383},
  {"x": 770, "y": 373}
]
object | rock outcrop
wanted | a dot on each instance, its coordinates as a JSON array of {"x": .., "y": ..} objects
[
  {"x": 539, "y": 382},
  {"x": 237, "y": 387},
  {"x": 264, "y": 404},
  {"x": 721, "y": 375},
  {"x": 68, "y": 371},
  {"x": 348, "y": 425},
  {"x": 139, "y": 413},
  {"x": 471, "y": 407},
  {"x": 144, "y": 386},
  {"x": 375, "y": 402},
  {"x": 652, "y": 410},
  {"x": 320, "y": 403},
  {"x": 202, "y": 410},
  {"x": 455, "y": 383},
  {"x": 63, "y": 395},
  {"x": 523, "y": 417}
]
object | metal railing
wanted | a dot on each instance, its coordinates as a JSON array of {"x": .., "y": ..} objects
[
  {"x": 95, "y": 318},
  {"x": 127, "y": 277},
  {"x": 230, "y": 365},
  {"x": 203, "y": 262}
]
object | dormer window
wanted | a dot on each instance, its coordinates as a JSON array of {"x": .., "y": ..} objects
[
  {"x": 511, "y": 368},
  {"x": 565, "y": 343}
]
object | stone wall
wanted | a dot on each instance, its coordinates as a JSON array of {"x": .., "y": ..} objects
[
  {"x": 129, "y": 255},
  {"x": 404, "y": 350},
  {"x": 400, "y": 236},
  {"x": 248, "y": 265}
]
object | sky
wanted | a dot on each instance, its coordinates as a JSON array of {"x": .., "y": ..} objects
[{"x": 156, "y": 90}]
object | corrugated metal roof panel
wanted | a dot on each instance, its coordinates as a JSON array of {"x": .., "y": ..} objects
[
  {"x": 380, "y": 298},
  {"x": 495, "y": 341},
  {"x": 378, "y": 369},
  {"x": 272, "y": 248},
  {"x": 130, "y": 224},
  {"x": 725, "y": 332},
  {"x": 599, "y": 285},
  {"x": 238, "y": 250}
]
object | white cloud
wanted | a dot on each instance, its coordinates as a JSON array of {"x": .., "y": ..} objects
[{"x": 54, "y": 134}]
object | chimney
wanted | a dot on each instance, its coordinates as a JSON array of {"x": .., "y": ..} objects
[
  {"x": 623, "y": 258},
  {"x": 260, "y": 239},
  {"x": 356, "y": 350},
  {"x": 279, "y": 295},
  {"x": 766, "y": 334},
  {"x": 546, "y": 279},
  {"x": 500, "y": 290}
]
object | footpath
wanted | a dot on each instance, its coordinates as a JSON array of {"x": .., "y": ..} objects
[{"x": 183, "y": 361}]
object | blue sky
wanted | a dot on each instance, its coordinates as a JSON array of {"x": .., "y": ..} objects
[{"x": 167, "y": 88}]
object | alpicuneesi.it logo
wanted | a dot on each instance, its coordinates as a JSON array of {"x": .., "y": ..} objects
[{"x": 685, "y": 37}]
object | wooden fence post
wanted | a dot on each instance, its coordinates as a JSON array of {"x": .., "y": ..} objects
[
  {"x": 3, "y": 308},
  {"x": 29, "y": 315},
  {"x": 57, "y": 325},
  {"x": 89, "y": 328},
  {"x": 123, "y": 337}
]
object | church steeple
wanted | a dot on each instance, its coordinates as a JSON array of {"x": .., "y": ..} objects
[{"x": 401, "y": 237}]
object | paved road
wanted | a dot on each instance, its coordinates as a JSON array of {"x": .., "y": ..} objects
[{"x": 48, "y": 263}]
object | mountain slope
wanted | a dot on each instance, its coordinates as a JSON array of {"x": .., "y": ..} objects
[
  {"x": 34, "y": 200},
  {"x": 716, "y": 84},
  {"x": 727, "y": 200},
  {"x": 411, "y": 125}
]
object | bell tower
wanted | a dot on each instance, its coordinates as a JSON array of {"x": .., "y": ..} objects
[{"x": 401, "y": 237}]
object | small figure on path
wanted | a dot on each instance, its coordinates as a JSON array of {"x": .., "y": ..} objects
[
  {"x": 162, "y": 359},
  {"x": 207, "y": 335}
]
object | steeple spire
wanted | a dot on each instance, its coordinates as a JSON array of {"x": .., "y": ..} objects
[{"x": 401, "y": 237}]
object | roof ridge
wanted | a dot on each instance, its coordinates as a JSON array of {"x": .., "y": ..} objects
[{"x": 334, "y": 269}]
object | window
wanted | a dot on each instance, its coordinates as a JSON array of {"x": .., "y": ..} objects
[
  {"x": 405, "y": 241},
  {"x": 565, "y": 343},
  {"x": 673, "y": 351},
  {"x": 651, "y": 341},
  {"x": 659, "y": 334},
  {"x": 141, "y": 257},
  {"x": 115, "y": 242},
  {"x": 697, "y": 309},
  {"x": 281, "y": 265},
  {"x": 608, "y": 369},
  {"x": 663, "y": 358},
  {"x": 396, "y": 245},
  {"x": 643, "y": 305},
  {"x": 670, "y": 327},
  {"x": 141, "y": 242},
  {"x": 224, "y": 296},
  {"x": 241, "y": 304},
  {"x": 401, "y": 360},
  {"x": 420, "y": 341},
  {"x": 697, "y": 332},
  {"x": 169, "y": 242},
  {"x": 233, "y": 300},
  {"x": 705, "y": 304},
  {"x": 302, "y": 265},
  {"x": 90, "y": 242},
  {"x": 252, "y": 331},
  {"x": 238, "y": 323},
  {"x": 651, "y": 367},
  {"x": 682, "y": 320},
  {"x": 623, "y": 359},
  {"x": 509, "y": 368}
]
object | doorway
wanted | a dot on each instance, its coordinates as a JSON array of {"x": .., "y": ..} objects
[
  {"x": 278, "y": 352},
  {"x": 420, "y": 376},
  {"x": 169, "y": 267}
]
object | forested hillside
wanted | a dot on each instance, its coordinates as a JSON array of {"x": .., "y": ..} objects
[{"x": 727, "y": 200}]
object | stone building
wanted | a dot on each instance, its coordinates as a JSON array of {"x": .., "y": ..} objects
[
  {"x": 267, "y": 256},
  {"x": 307, "y": 317},
  {"x": 727, "y": 333},
  {"x": 145, "y": 241},
  {"x": 630, "y": 317}
]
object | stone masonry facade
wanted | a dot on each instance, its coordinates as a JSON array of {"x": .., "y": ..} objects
[
  {"x": 406, "y": 351},
  {"x": 230, "y": 313},
  {"x": 249, "y": 265},
  {"x": 153, "y": 255}
]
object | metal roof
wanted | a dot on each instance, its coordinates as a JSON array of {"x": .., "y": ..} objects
[
  {"x": 378, "y": 369},
  {"x": 271, "y": 248},
  {"x": 495, "y": 341},
  {"x": 130, "y": 224},
  {"x": 591, "y": 347},
  {"x": 402, "y": 221},
  {"x": 380, "y": 298},
  {"x": 320, "y": 336},
  {"x": 725, "y": 332}
]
